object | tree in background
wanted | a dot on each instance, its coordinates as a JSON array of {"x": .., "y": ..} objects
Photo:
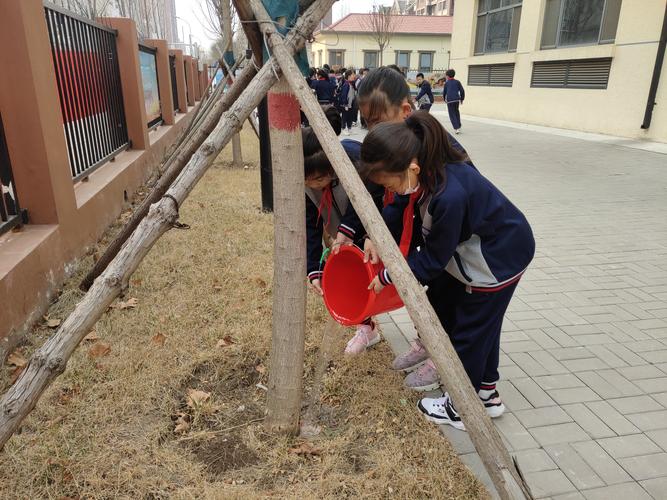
[{"x": 382, "y": 25}]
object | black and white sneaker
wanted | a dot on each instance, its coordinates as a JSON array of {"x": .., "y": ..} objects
[
  {"x": 441, "y": 411},
  {"x": 493, "y": 404}
]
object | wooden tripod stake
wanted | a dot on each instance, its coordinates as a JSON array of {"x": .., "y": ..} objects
[{"x": 484, "y": 435}]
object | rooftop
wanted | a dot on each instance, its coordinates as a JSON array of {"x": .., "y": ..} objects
[{"x": 422, "y": 25}]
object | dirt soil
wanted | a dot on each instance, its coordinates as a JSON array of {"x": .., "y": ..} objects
[{"x": 166, "y": 397}]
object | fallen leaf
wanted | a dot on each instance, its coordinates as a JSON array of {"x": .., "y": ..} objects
[
  {"x": 91, "y": 337},
  {"x": 16, "y": 359},
  {"x": 306, "y": 449},
  {"x": 53, "y": 323},
  {"x": 225, "y": 341},
  {"x": 260, "y": 282},
  {"x": 16, "y": 372},
  {"x": 182, "y": 425},
  {"x": 197, "y": 398},
  {"x": 130, "y": 304},
  {"x": 260, "y": 368},
  {"x": 158, "y": 339},
  {"x": 99, "y": 349}
]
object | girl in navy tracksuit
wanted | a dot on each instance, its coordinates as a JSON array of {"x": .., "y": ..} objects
[
  {"x": 463, "y": 239},
  {"x": 323, "y": 87},
  {"x": 331, "y": 216},
  {"x": 348, "y": 96}
]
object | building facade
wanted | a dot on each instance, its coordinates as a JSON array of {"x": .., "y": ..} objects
[
  {"x": 423, "y": 7},
  {"x": 576, "y": 64},
  {"x": 418, "y": 44}
]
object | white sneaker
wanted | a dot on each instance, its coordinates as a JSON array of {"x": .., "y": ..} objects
[
  {"x": 441, "y": 411},
  {"x": 457, "y": 131},
  {"x": 347, "y": 131}
]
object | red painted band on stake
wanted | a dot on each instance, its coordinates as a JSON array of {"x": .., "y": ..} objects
[{"x": 283, "y": 111}]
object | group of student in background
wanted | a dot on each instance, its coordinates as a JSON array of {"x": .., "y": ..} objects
[
  {"x": 461, "y": 236},
  {"x": 340, "y": 87}
]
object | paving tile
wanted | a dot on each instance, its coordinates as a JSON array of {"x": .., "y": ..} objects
[
  {"x": 608, "y": 357},
  {"x": 659, "y": 437},
  {"x": 614, "y": 419},
  {"x": 543, "y": 340},
  {"x": 635, "y": 404},
  {"x": 645, "y": 466},
  {"x": 559, "y": 336},
  {"x": 513, "y": 336},
  {"x": 629, "y": 446},
  {"x": 661, "y": 398},
  {"x": 574, "y": 352},
  {"x": 585, "y": 364},
  {"x": 511, "y": 397},
  {"x": 640, "y": 372},
  {"x": 565, "y": 381},
  {"x": 459, "y": 440},
  {"x": 569, "y": 496},
  {"x": 655, "y": 356},
  {"x": 588, "y": 421},
  {"x": 393, "y": 335},
  {"x": 528, "y": 364},
  {"x": 573, "y": 395},
  {"x": 574, "y": 467},
  {"x": 549, "y": 363},
  {"x": 515, "y": 433},
  {"x": 649, "y": 421},
  {"x": 644, "y": 346},
  {"x": 652, "y": 385},
  {"x": 548, "y": 483},
  {"x": 474, "y": 463},
  {"x": 625, "y": 354},
  {"x": 559, "y": 433},
  {"x": 538, "y": 417},
  {"x": 656, "y": 487},
  {"x": 625, "y": 491},
  {"x": 609, "y": 383},
  {"x": 536, "y": 460},
  {"x": 535, "y": 395},
  {"x": 511, "y": 372},
  {"x": 599, "y": 460},
  {"x": 520, "y": 346}
]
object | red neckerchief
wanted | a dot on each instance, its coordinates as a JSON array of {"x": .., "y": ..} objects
[
  {"x": 388, "y": 197},
  {"x": 408, "y": 222},
  {"x": 326, "y": 203}
]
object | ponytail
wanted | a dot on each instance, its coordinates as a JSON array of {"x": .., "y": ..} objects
[{"x": 390, "y": 147}]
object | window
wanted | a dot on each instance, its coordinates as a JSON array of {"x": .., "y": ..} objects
[
  {"x": 491, "y": 75},
  {"x": 403, "y": 59},
  {"x": 425, "y": 62},
  {"x": 371, "y": 59},
  {"x": 497, "y": 26},
  {"x": 575, "y": 73},
  {"x": 579, "y": 22},
  {"x": 336, "y": 58}
]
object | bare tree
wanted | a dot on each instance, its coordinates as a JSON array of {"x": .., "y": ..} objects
[
  {"x": 382, "y": 25},
  {"x": 91, "y": 9}
]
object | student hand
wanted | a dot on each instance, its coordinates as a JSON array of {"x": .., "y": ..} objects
[
  {"x": 316, "y": 287},
  {"x": 340, "y": 240},
  {"x": 370, "y": 252},
  {"x": 375, "y": 285}
]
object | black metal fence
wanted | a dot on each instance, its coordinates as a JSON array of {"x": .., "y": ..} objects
[
  {"x": 11, "y": 214},
  {"x": 187, "y": 88},
  {"x": 174, "y": 84},
  {"x": 149, "y": 80},
  {"x": 91, "y": 98}
]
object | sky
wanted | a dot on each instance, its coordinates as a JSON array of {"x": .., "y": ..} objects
[{"x": 190, "y": 14}]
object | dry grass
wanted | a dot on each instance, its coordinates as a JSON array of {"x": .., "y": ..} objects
[{"x": 106, "y": 428}]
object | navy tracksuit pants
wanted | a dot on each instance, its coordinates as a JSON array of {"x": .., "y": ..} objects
[
  {"x": 473, "y": 322},
  {"x": 454, "y": 115}
]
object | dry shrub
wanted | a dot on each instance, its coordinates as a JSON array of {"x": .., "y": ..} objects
[{"x": 174, "y": 408}]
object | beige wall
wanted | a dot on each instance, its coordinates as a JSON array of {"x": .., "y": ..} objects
[
  {"x": 355, "y": 44},
  {"x": 618, "y": 110}
]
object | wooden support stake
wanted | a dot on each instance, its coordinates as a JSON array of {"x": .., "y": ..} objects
[
  {"x": 484, "y": 435},
  {"x": 51, "y": 358},
  {"x": 289, "y": 263}
]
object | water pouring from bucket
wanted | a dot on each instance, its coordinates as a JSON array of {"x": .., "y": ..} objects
[{"x": 345, "y": 285}]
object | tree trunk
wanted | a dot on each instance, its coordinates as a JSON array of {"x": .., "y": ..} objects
[
  {"x": 236, "y": 151},
  {"x": 50, "y": 360},
  {"x": 484, "y": 435},
  {"x": 289, "y": 262}
]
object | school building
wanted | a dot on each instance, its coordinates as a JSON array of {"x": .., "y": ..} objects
[
  {"x": 419, "y": 43},
  {"x": 587, "y": 65}
]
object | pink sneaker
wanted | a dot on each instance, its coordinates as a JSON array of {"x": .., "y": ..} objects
[
  {"x": 423, "y": 379},
  {"x": 412, "y": 359},
  {"x": 365, "y": 337}
]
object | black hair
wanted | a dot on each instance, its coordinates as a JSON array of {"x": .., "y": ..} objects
[
  {"x": 323, "y": 74},
  {"x": 397, "y": 69},
  {"x": 347, "y": 74},
  {"x": 391, "y": 146},
  {"x": 419, "y": 74},
  {"x": 315, "y": 161},
  {"x": 312, "y": 72},
  {"x": 382, "y": 88},
  {"x": 326, "y": 66},
  {"x": 450, "y": 73}
]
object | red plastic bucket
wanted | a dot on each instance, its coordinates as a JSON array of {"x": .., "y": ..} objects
[{"x": 345, "y": 285}]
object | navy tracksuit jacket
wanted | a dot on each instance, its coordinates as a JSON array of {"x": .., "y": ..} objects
[
  {"x": 470, "y": 245},
  {"x": 454, "y": 95}
]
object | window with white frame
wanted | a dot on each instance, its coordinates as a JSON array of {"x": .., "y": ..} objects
[
  {"x": 497, "y": 26},
  {"x": 579, "y": 22},
  {"x": 425, "y": 61},
  {"x": 336, "y": 58},
  {"x": 371, "y": 59}
]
